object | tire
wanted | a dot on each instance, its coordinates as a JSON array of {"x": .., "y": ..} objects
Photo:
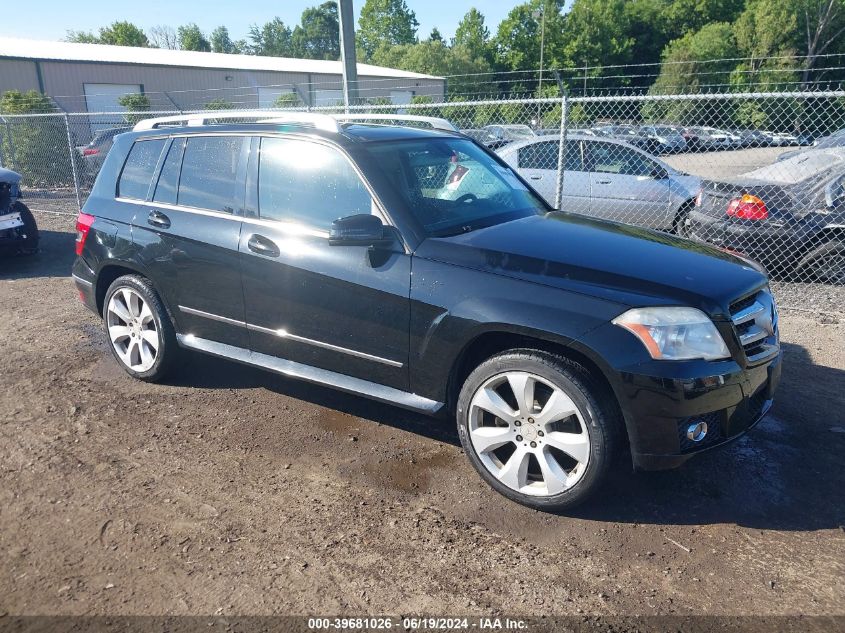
[
  {"x": 29, "y": 244},
  {"x": 679, "y": 226},
  {"x": 518, "y": 454},
  {"x": 826, "y": 262},
  {"x": 135, "y": 322}
]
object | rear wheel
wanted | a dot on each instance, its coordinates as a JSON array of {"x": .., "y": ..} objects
[
  {"x": 537, "y": 428},
  {"x": 141, "y": 335},
  {"x": 824, "y": 263}
]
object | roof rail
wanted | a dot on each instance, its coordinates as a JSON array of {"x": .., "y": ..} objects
[
  {"x": 319, "y": 121},
  {"x": 435, "y": 122},
  {"x": 327, "y": 122}
]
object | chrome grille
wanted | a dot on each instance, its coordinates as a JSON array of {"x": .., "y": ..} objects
[{"x": 755, "y": 321}]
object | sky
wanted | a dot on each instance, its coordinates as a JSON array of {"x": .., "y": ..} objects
[{"x": 52, "y": 19}]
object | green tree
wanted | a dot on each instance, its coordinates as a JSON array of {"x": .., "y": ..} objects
[
  {"x": 119, "y": 33},
  {"x": 435, "y": 35},
  {"x": 273, "y": 39},
  {"x": 518, "y": 37},
  {"x": 288, "y": 100},
  {"x": 385, "y": 22},
  {"x": 35, "y": 147},
  {"x": 598, "y": 33},
  {"x": 191, "y": 38},
  {"x": 318, "y": 34},
  {"x": 221, "y": 42},
  {"x": 696, "y": 62},
  {"x": 219, "y": 104},
  {"x": 136, "y": 104},
  {"x": 473, "y": 34},
  {"x": 433, "y": 57}
]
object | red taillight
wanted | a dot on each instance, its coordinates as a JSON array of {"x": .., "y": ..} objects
[
  {"x": 83, "y": 226},
  {"x": 90, "y": 151},
  {"x": 748, "y": 207}
]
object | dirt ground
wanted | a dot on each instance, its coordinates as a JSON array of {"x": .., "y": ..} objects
[{"x": 233, "y": 491}]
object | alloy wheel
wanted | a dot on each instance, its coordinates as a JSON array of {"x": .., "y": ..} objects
[
  {"x": 529, "y": 434},
  {"x": 132, "y": 330}
]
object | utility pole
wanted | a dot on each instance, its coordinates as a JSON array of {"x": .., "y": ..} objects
[
  {"x": 542, "y": 17},
  {"x": 347, "y": 53}
]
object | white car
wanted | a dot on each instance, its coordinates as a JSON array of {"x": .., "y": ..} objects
[{"x": 606, "y": 178}]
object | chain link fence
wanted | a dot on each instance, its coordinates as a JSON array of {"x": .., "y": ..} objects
[{"x": 761, "y": 174}]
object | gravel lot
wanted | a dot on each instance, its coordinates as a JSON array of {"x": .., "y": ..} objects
[{"x": 233, "y": 491}]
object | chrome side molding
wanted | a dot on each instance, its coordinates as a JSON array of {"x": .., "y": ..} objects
[{"x": 311, "y": 374}]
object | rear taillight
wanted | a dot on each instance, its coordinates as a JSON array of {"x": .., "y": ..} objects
[
  {"x": 698, "y": 197},
  {"x": 90, "y": 151},
  {"x": 748, "y": 207},
  {"x": 83, "y": 227}
]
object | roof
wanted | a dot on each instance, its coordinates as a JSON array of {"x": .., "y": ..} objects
[{"x": 73, "y": 52}]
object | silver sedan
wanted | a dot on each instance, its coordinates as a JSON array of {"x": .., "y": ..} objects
[{"x": 608, "y": 179}]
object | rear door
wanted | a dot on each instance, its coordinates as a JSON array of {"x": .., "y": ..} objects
[
  {"x": 189, "y": 230},
  {"x": 341, "y": 308},
  {"x": 625, "y": 185}
]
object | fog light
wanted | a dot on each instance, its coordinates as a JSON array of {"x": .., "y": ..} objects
[{"x": 697, "y": 431}]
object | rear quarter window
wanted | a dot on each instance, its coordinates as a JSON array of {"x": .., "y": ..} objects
[{"x": 138, "y": 170}]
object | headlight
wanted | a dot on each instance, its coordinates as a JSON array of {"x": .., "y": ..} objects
[{"x": 675, "y": 333}]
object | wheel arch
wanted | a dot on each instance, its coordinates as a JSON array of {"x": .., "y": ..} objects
[
  {"x": 113, "y": 270},
  {"x": 491, "y": 342}
]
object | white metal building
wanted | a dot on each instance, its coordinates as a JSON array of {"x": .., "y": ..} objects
[{"x": 93, "y": 77}]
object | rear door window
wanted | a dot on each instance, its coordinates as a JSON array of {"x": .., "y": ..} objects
[
  {"x": 168, "y": 180},
  {"x": 209, "y": 178},
  {"x": 138, "y": 170}
]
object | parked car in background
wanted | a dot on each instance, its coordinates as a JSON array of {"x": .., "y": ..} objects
[
  {"x": 510, "y": 132},
  {"x": 552, "y": 340},
  {"x": 606, "y": 178},
  {"x": 486, "y": 138},
  {"x": 781, "y": 139},
  {"x": 788, "y": 216},
  {"x": 837, "y": 139},
  {"x": 753, "y": 138},
  {"x": 18, "y": 229},
  {"x": 95, "y": 152},
  {"x": 666, "y": 139},
  {"x": 706, "y": 139}
]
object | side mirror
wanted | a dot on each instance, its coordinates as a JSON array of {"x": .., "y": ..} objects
[
  {"x": 658, "y": 173},
  {"x": 363, "y": 229}
]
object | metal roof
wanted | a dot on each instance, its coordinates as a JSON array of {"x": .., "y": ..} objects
[{"x": 73, "y": 52}]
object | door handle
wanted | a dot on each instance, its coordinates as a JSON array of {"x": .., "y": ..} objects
[
  {"x": 535, "y": 177},
  {"x": 157, "y": 218},
  {"x": 263, "y": 246},
  {"x": 603, "y": 182}
]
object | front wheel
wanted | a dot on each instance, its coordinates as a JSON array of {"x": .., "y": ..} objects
[
  {"x": 29, "y": 230},
  {"x": 141, "y": 335},
  {"x": 537, "y": 428}
]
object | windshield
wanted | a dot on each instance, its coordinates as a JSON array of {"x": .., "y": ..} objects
[{"x": 453, "y": 186}]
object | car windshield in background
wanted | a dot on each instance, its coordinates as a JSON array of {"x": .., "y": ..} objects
[{"x": 452, "y": 186}]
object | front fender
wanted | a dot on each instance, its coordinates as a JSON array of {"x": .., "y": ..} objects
[{"x": 451, "y": 307}]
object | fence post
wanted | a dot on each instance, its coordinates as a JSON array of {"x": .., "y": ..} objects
[
  {"x": 72, "y": 154},
  {"x": 561, "y": 152},
  {"x": 12, "y": 158}
]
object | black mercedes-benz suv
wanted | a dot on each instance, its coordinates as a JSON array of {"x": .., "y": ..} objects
[{"x": 414, "y": 267}]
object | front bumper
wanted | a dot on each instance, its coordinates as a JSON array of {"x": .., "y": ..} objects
[{"x": 659, "y": 409}]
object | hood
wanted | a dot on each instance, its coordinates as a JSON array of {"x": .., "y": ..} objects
[
  {"x": 617, "y": 262},
  {"x": 7, "y": 175}
]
